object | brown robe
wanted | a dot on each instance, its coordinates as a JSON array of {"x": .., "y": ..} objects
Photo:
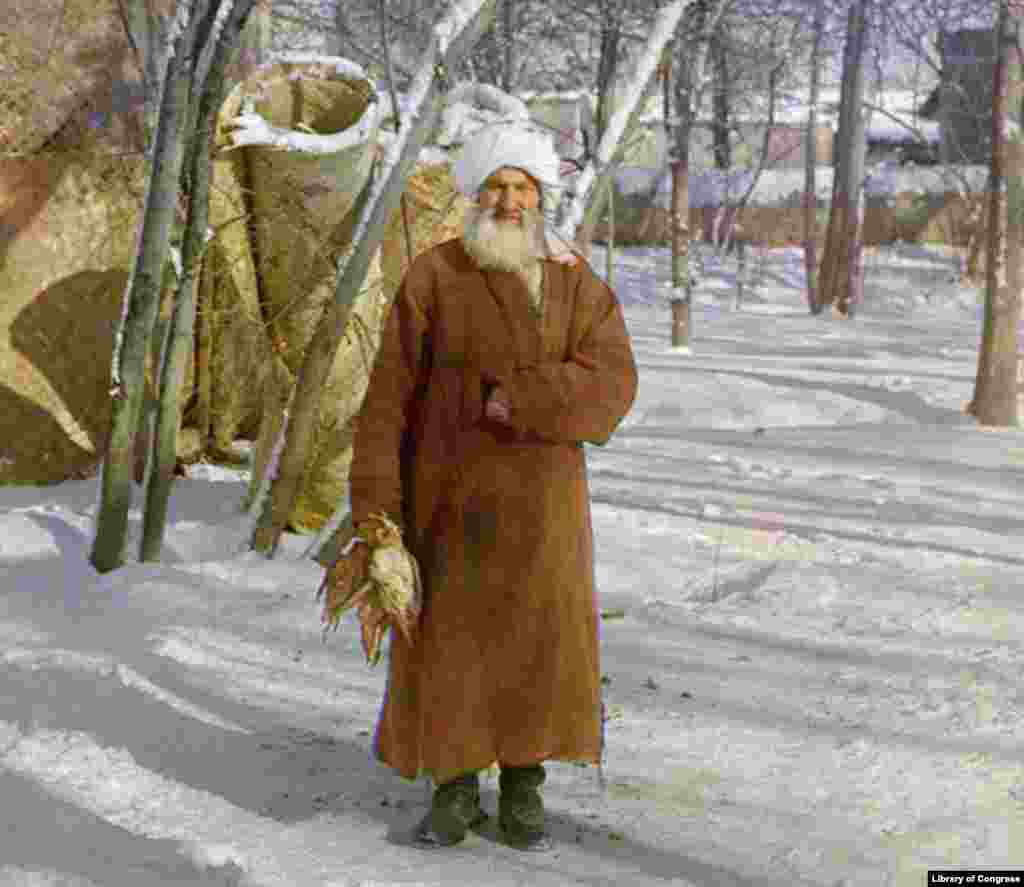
[{"x": 505, "y": 665}]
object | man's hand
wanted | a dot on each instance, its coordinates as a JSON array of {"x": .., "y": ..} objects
[{"x": 498, "y": 408}]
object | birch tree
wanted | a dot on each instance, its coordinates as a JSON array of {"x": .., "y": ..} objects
[
  {"x": 142, "y": 295},
  {"x": 177, "y": 347},
  {"x": 995, "y": 391},
  {"x": 840, "y": 269},
  {"x": 810, "y": 200},
  {"x": 692, "y": 52},
  {"x": 584, "y": 203},
  {"x": 450, "y": 41},
  {"x": 191, "y": 38}
]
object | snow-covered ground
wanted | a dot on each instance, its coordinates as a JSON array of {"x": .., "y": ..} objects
[{"x": 810, "y": 564}]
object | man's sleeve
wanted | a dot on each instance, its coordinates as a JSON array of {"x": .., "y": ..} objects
[
  {"x": 585, "y": 397},
  {"x": 375, "y": 476}
]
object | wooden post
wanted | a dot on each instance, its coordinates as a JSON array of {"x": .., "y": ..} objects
[
  {"x": 741, "y": 270},
  {"x": 680, "y": 323}
]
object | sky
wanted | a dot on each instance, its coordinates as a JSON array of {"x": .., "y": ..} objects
[{"x": 808, "y": 562}]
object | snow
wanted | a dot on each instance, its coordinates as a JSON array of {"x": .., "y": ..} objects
[
  {"x": 885, "y": 129},
  {"x": 569, "y": 95},
  {"x": 251, "y": 129},
  {"x": 471, "y": 106},
  {"x": 342, "y": 67},
  {"x": 809, "y": 561},
  {"x": 460, "y": 14},
  {"x": 182, "y": 18}
]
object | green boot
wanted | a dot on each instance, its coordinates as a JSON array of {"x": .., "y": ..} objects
[
  {"x": 454, "y": 809},
  {"x": 520, "y": 809}
]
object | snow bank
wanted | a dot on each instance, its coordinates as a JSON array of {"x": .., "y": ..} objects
[{"x": 13, "y": 876}]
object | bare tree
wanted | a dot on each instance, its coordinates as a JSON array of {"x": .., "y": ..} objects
[
  {"x": 779, "y": 47},
  {"x": 178, "y": 344},
  {"x": 811, "y": 163},
  {"x": 840, "y": 263},
  {"x": 721, "y": 101},
  {"x": 691, "y": 50},
  {"x": 609, "y": 55},
  {"x": 995, "y": 391},
  {"x": 508, "y": 32},
  {"x": 579, "y": 213},
  {"x": 197, "y": 36},
  {"x": 143, "y": 292}
]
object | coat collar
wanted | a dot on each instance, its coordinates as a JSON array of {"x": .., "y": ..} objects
[{"x": 510, "y": 294}]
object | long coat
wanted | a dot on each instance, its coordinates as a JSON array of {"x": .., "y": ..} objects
[{"x": 505, "y": 663}]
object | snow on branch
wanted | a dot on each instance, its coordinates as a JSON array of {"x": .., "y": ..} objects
[
  {"x": 342, "y": 67},
  {"x": 664, "y": 28},
  {"x": 454, "y": 23},
  {"x": 223, "y": 14},
  {"x": 402, "y": 151},
  {"x": 182, "y": 19}
]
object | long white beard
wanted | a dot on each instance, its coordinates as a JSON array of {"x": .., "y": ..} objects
[{"x": 507, "y": 246}]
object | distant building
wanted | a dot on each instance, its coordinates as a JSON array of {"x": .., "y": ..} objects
[
  {"x": 570, "y": 118},
  {"x": 786, "y": 145},
  {"x": 898, "y": 132}
]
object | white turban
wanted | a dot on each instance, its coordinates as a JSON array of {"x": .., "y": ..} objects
[{"x": 508, "y": 144}]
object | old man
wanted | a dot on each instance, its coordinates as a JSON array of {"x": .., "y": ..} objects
[{"x": 498, "y": 362}]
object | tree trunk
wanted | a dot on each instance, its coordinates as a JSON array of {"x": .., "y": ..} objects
[
  {"x": 142, "y": 22},
  {"x": 734, "y": 212},
  {"x": 610, "y": 246},
  {"x": 682, "y": 282},
  {"x": 811, "y": 165},
  {"x": 427, "y": 96},
  {"x": 688, "y": 74},
  {"x": 606, "y": 65},
  {"x": 843, "y": 234},
  {"x": 741, "y": 273},
  {"x": 143, "y": 299},
  {"x": 508, "y": 33},
  {"x": 253, "y": 43},
  {"x": 721, "y": 110},
  {"x": 178, "y": 348},
  {"x": 995, "y": 392},
  {"x": 680, "y": 323},
  {"x": 204, "y": 373},
  {"x": 607, "y": 60}
]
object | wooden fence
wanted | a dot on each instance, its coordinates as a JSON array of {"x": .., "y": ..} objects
[{"x": 919, "y": 218}]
